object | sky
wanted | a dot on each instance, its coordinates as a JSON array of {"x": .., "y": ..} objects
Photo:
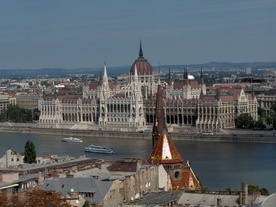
[{"x": 69, "y": 34}]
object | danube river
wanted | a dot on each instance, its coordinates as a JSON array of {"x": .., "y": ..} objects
[{"x": 218, "y": 165}]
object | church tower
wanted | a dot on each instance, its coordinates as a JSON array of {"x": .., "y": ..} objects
[{"x": 165, "y": 152}]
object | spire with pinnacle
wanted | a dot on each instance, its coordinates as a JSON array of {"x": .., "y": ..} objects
[
  {"x": 140, "y": 50},
  {"x": 105, "y": 78},
  {"x": 158, "y": 81},
  {"x": 135, "y": 78},
  {"x": 170, "y": 78},
  {"x": 186, "y": 79},
  {"x": 159, "y": 117},
  {"x": 218, "y": 94}
]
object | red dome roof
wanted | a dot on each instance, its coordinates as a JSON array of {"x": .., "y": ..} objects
[{"x": 143, "y": 66}]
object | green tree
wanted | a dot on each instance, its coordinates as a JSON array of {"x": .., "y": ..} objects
[
  {"x": 260, "y": 124},
  {"x": 29, "y": 152},
  {"x": 245, "y": 120},
  {"x": 273, "y": 108},
  {"x": 86, "y": 204},
  {"x": 36, "y": 114},
  {"x": 262, "y": 112},
  {"x": 255, "y": 188},
  {"x": 16, "y": 114}
]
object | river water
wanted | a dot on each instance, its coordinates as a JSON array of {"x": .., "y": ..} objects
[{"x": 218, "y": 165}]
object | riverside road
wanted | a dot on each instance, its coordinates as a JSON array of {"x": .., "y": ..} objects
[{"x": 232, "y": 135}]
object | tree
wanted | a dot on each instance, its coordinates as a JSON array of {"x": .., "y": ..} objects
[
  {"x": 36, "y": 114},
  {"x": 262, "y": 112},
  {"x": 29, "y": 152},
  {"x": 86, "y": 204},
  {"x": 35, "y": 197},
  {"x": 245, "y": 120},
  {"x": 16, "y": 114},
  {"x": 273, "y": 108},
  {"x": 255, "y": 188},
  {"x": 260, "y": 123},
  {"x": 274, "y": 122}
]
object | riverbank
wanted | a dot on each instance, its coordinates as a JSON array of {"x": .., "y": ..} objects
[{"x": 232, "y": 135}]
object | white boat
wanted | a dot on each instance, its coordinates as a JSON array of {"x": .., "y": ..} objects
[
  {"x": 72, "y": 139},
  {"x": 98, "y": 149}
]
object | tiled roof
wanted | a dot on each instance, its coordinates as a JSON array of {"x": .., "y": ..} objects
[
  {"x": 164, "y": 151},
  {"x": 126, "y": 165},
  {"x": 190, "y": 182},
  {"x": 178, "y": 85},
  {"x": 236, "y": 93},
  {"x": 143, "y": 67}
]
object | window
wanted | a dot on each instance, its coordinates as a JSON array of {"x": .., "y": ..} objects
[{"x": 176, "y": 174}]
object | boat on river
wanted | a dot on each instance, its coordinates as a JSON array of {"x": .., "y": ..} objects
[
  {"x": 71, "y": 139},
  {"x": 98, "y": 149}
]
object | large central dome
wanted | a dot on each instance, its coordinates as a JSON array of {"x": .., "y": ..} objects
[{"x": 143, "y": 66}]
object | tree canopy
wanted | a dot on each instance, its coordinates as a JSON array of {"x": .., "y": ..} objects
[
  {"x": 16, "y": 114},
  {"x": 255, "y": 188},
  {"x": 35, "y": 197},
  {"x": 245, "y": 120},
  {"x": 29, "y": 152},
  {"x": 86, "y": 204}
]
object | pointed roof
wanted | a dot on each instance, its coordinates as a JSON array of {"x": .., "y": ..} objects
[
  {"x": 201, "y": 77},
  {"x": 170, "y": 78},
  {"x": 140, "y": 50},
  {"x": 164, "y": 151},
  {"x": 105, "y": 73},
  {"x": 159, "y": 117},
  {"x": 186, "y": 79},
  {"x": 190, "y": 181}
]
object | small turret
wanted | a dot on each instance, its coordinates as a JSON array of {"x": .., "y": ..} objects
[
  {"x": 201, "y": 77},
  {"x": 170, "y": 78}
]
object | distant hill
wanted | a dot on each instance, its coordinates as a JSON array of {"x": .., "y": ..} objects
[{"x": 61, "y": 72}]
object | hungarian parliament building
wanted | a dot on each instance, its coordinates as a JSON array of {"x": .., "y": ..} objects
[{"x": 130, "y": 105}]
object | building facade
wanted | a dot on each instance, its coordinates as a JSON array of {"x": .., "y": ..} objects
[{"x": 130, "y": 105}]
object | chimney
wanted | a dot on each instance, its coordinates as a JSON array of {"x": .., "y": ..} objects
[
  {"x": 219, "y": 202},
  {"x": 40, "y": 178},
  {"x": 74, "y": 194},
  {"x": 240, "y": 199},
  {"x": 244, "y": 193}
]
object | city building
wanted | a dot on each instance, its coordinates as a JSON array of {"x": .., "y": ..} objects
[
  {"x": 130, "y": 105},
  {"x": 29, "y": 101}
]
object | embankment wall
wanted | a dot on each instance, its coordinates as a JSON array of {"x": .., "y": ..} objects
[{"x": 249, "y": 137}]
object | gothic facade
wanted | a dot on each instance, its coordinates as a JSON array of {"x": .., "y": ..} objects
[{"x": 130, "y": 106}]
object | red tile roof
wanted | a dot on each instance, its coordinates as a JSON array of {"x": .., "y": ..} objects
[{"x": 164, "y": 151}]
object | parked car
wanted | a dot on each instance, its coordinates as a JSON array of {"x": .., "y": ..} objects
[{"x": 208, "y": 133}]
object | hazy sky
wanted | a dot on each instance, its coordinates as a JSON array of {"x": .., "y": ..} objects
[{"x": 86, "y": 33}]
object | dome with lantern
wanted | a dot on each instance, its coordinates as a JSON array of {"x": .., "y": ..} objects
[{"x": 142, "y": 64}]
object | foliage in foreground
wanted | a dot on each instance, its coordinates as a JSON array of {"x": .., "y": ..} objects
[
  {"x": 255, "y": 188},
  {"x": 86, "y": 204},
  {"x": 34, "y": 198}
]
